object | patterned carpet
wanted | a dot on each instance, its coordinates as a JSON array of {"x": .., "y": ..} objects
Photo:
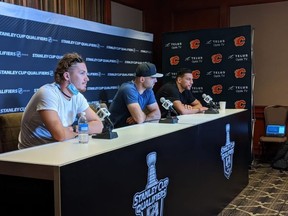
[{"x": 266, "y": 194}]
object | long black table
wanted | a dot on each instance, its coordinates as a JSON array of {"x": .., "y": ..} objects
[{"x": 195, "y": 167}]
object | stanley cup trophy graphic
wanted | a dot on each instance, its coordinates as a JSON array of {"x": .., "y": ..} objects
[
  {"x": 227, "y": 153},
  {"x": 152, "y": 210},
  {"x": 150, "y": 201}
]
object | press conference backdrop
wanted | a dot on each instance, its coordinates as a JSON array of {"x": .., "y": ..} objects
[
  {"x": 33, "y": 41},
  {"x": 221, "y": 61}
]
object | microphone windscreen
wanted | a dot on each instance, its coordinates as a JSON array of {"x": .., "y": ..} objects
[
  {"x": 162, "y": 99},
  {"x": 204, "y": 95},
  {"x": 95, "y": 106},
  {"x": 103, "y": 105}
]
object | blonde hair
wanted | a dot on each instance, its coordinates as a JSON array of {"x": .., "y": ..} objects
[{"x": 67, "y": 61}]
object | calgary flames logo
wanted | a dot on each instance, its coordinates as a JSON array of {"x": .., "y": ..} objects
[
  {"x": 196, "y": 74},
  {"x": 216, "y": 58},
  {"x": 239, "y": 41},
  {"x": 194, "y": 44},
  {"x": 240, "y": 73},
  {"x": 240, "y": 104},
  {"x": 217, "y": 89},
  {"x": 174, "y": 60}
]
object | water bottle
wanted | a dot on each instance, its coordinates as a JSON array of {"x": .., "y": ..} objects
[{"x": 83, "y": 129}]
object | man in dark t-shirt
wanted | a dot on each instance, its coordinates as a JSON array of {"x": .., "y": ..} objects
[{"x": 180, "y": 95}]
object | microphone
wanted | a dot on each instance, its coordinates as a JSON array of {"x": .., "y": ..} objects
[
  {"x": 104, "y": 114},
  {"x": 168, "y": 105},
  {"x": 208, "y": 100},
  {"x": 212, "y": 106}
]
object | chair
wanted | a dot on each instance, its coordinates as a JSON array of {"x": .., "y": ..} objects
[
  {"x": 10, "y": 124},
  {"x": 274, "y": 115}
]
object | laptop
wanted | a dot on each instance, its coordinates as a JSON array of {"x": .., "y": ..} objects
[{"x": 276, "y": 130}]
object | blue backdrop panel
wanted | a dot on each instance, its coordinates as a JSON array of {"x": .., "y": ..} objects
[{"x": 33, "y": 41}]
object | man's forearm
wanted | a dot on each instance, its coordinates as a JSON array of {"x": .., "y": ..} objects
[{"x": 154, "y": 115}]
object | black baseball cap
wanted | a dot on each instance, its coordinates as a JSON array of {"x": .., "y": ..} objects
[{"x": 147, "y": 70}]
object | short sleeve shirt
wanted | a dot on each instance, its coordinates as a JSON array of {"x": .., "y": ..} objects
[
  {"x": 170, "y": 92},
  {"x": 48, "y": 97},
  {"x": 128, "y": 94}
]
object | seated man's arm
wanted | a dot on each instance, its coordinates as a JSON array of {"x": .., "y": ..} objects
[
  {"x": 95, "y": 123},
  {"x": 196, "y": 104},
  {"x": 138, "y": 116},
  {"x": 183, "y": 109},
  {"x": 152, "y": 112},
  {"x": 53, "y": 123},
  {"x": 60, "y": 133}
]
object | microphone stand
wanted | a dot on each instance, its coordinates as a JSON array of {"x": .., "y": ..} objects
[
  {"x": 169, "y": 119},
  {"x": 212, "y": 110},
  {"x": 107, "y": 132}
]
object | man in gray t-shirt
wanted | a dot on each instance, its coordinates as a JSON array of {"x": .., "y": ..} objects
[{"x": 51, "y": 111}]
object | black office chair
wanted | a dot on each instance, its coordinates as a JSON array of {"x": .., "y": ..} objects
[{"x": 275, "y": 130}]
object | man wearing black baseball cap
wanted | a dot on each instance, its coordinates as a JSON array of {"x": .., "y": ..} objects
[
  {"x": 147, "y": 70},
  {"x": 135, "y": 102}
]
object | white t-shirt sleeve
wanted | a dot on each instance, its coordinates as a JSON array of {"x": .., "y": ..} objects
[{"x": 47, "y": 99}]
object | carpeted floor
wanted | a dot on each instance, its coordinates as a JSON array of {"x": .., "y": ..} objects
[{"x": 266, "y": 194}]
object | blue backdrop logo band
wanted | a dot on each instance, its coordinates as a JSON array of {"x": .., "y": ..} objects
[{"x": 33, "y": 41}]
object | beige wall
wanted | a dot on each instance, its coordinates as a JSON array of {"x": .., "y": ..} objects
[
  {"x": 126, "y": 17},
  {"x": 270, "y": 23}
]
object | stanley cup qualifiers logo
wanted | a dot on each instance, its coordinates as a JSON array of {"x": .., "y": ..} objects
[
  {"x": 195, "y": 44},
  {"x": 227, "y": 152},
  {"x": 239, "y": 41},
  {"x": 150, "y": 201}
]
